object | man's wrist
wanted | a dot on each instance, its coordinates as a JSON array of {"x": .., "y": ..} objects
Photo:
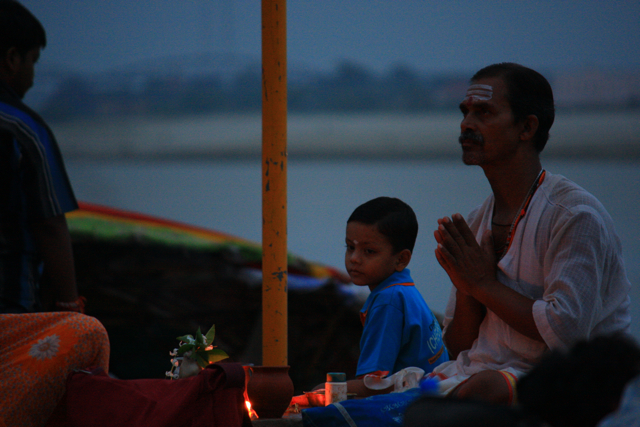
[
  {"x": 484, "y": 288},
  {"x": 466, "y": 298}
]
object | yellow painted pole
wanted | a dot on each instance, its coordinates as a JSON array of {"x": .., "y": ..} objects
[{"x": 274, "y": 184}]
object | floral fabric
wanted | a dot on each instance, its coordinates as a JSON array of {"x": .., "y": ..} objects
[{"x": 37, "y": 353}]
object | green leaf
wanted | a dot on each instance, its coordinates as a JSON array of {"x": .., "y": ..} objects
[
  {"x": 184, "y": 348},
  {"x": 200, "y": 360},
  {"x": 198, "y": 344},
  {"x": 211, "y": 334},
  {"x": 214, "y": 355},
  {"x": 199, "y": 339},
  {"x": 186, "y": 338}
]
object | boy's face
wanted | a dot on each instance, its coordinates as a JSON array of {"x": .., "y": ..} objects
[{"x": 369, "y": 258}]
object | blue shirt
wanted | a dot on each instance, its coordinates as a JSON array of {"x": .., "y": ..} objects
[
  {"x": 399, "y": 329},
  {"x": 33, "y": 186}
]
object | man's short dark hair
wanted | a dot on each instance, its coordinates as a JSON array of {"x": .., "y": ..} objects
[
  {"x": 528, "y": 92},
  {"x": 393, "y": 217},
  {"x": 19, "y": 28}
]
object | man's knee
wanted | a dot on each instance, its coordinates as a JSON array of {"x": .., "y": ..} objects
[{"x": 487, "y": 386}]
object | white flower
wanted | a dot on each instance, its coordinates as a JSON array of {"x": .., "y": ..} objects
[{"x": 46, "y": 348}]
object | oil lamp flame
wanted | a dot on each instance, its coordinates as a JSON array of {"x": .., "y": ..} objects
[{"x": 252, "y": 414}]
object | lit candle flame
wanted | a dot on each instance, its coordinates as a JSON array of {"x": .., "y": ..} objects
[{"x": 252, "y": 414}]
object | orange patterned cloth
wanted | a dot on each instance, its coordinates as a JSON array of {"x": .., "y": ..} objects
[{"x": 37, "y": 353}]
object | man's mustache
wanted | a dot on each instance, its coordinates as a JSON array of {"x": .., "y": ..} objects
[{"x": 470, "y": 136}]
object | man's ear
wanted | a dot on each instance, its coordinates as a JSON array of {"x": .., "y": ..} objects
[
  {"x": 529, "y": 128},
  {"x": 10, "y": 62},
  {"x": 403, "y": 259}
]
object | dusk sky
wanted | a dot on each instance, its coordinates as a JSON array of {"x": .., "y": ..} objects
[{"x": 434, "y": 36}]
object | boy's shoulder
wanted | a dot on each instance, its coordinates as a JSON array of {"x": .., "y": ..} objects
[
  {"x": 392, "y": 286},
  {"x": 397, "y": 294}
]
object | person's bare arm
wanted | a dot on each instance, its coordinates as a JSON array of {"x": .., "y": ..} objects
[
  {"x": 463, "y": 329},
  {"x": 357, "y": 386},
  {"x": 54, "y": 243},
  {"x": 472, "y": 270}
]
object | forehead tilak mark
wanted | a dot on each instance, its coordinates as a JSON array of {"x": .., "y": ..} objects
[{"x": 478, "y": 92}]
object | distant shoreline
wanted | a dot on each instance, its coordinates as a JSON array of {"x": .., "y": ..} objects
[{"x": 597, "y": 135}]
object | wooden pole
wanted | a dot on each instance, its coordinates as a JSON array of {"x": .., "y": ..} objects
[{"x": 274, "y": 184}]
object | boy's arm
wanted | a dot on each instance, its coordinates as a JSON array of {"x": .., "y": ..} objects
[
  {"x": 357, "y": 386},
  {"x": 380, "y": 345},
  {"x": 381, "y": 340}
]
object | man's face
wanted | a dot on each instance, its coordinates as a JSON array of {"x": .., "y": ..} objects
[
  {"x": 489, "y": 134},
  {"x": 22, "y": 79}
]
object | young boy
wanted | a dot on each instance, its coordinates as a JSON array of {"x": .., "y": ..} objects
[{"x": 399, "y": 328}]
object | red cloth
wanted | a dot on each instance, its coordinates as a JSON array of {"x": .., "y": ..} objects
[{"x": 214, "y": 397}]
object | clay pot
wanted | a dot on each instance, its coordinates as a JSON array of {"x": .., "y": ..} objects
[{"x": 269, "y": 389}]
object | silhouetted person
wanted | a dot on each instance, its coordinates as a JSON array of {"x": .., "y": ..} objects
[
  {"x": 579, "y": 387},
  {"x": 35, "y": 193}
]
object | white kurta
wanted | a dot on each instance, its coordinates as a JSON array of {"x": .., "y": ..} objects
[{"x": 566, "y": 255}]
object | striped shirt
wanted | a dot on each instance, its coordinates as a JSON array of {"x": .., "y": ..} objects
[{"x": 33, "y": 186}]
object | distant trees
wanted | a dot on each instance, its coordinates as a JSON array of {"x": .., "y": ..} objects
[{"x": 351, "y": 87}]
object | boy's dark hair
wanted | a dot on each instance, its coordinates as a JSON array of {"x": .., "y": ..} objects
[
  {"x": 394, "y": 218},
  {"x": 528, "y": 92},
  {"x": 19, "y": 28}
]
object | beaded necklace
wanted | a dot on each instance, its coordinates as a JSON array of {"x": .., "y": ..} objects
[{"x": 521, "y": 212}]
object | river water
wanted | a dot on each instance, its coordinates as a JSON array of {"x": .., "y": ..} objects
[{"x": 226, "y": 196}]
